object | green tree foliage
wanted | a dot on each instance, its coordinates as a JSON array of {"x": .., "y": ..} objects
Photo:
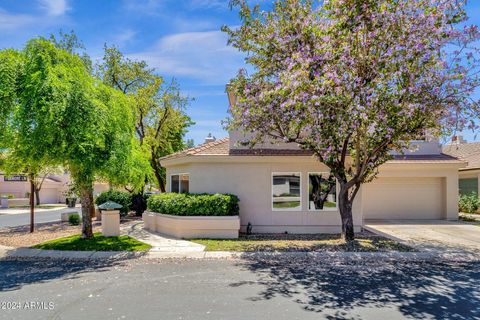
[
  {"x": 64, "y": 116},
  {"x": 161, "y": 122}
]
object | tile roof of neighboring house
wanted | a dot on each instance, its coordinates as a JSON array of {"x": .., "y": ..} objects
[
  {"x": 218, "y": 147},
  {"x": 469, "y": 152},
  {"x": 222, "y": 147}
]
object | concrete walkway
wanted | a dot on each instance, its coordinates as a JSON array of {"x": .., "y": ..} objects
[
  {"x": 446, "y": 237},
  {"x": 160, "y": 242}
]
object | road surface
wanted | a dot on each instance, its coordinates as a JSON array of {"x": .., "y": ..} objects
[
  {"x": 20, "y": 219},
  {"x": 238, "y": 289}
]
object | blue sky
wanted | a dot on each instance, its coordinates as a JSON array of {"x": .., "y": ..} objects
[{"x": 180, "y": 38}]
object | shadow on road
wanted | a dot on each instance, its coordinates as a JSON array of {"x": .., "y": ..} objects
[
  {"x": 44, "y": 270},
  {"x": 417, "y": 290}
]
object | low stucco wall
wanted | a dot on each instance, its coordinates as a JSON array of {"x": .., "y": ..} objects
[{"x": 211, "y": 227}]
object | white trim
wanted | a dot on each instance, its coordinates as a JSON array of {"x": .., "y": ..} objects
[
  {"x": 325, "y": 209},
  {"x": 296, "y": 209},
  {"x": 179, "y": 181}
]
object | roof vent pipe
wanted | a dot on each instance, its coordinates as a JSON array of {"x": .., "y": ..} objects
[{"x": 210, "y": 138}]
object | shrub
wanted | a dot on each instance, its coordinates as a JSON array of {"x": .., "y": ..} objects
[
  {"x": 74, "y": 219},
  {"x": 122, "y": 198},
  {"x": 469, "y": 203},
  {"x": 180, "y": 204}
]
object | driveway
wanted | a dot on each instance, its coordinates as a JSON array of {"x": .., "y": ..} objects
[{"x": 429, "y": 235}]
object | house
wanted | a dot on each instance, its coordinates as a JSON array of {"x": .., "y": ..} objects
[
  {"x": 283, "y": 188},
  {"x": 468, "y": 176},
  {"x": 53, "y": 188}
]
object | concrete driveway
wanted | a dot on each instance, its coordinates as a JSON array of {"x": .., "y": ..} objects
[{"x": 430, "y": 235}]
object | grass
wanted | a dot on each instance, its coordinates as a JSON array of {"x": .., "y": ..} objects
[
  {"x": 98, "y": 243},
  {"x": 42, "y": 206},
  {"x": 287, "y": 242},
  {"x": 286, "y": 204}
]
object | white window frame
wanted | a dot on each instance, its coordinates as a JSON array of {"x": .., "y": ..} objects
[
  {"x": 179, "y": 181},
  {"x": 271, "y": 191},
  {"x": 331, "y": 209}
]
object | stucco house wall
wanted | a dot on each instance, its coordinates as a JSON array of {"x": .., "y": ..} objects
[{"x": 403, "y": 190}]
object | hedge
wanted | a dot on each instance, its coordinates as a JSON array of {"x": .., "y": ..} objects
[
  {"x": 122, "y": 198},
  {"x": 180, "y": 204},
  {"x": 469, "y": 203}
]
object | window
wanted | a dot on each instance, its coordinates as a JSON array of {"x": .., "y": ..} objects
[
  {"x": 179, "y": 183},
  {"x": 286, "y": 194},
  {"x": 322, "y": 191}
]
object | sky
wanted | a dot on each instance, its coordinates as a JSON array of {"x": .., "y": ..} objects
[{"x": 181, "y": 39}]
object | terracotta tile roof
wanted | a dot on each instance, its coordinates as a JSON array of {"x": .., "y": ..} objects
[
  {"x": 270, "y": 152},
  {"x": 469, "y": 152},
  {"x": 218, "y": 147},
  {"x": 222, "y": 147}
]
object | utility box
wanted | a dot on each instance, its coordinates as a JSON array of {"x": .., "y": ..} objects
[{"x": 110, "y": 218}]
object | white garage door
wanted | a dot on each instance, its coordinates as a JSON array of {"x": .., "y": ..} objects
[
  {"x": 48, "y": 195},
  {"x": 404, "y": 198}
]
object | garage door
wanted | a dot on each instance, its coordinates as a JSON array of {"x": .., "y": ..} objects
[
  {"x": 49, "y": 195},
  {"x": 404, "y": 198}
]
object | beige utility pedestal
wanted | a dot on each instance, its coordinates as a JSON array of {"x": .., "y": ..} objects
[{"x": 111, "y": 223}]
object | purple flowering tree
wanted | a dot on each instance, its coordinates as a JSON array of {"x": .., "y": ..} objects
[{"x": 353, "y": 80}]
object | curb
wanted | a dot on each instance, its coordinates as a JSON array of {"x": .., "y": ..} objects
[{"x": 21, "y": 253}]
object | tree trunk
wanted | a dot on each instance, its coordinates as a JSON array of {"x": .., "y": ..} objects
[
  {"x": 345, "y": 207},
  {"x": 86, "y": 199},
  {"x": 32, "y": 204},
  {"x": 157, "y": 169},
  {"x": 37, "y": 196}
]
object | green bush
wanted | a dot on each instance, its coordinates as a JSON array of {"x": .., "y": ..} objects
[
  {"x": 74, "y": 219},
  {"x": 181, "y": 204},
  {"x": 469, "y": 203},
  {"x": 122, "y": 198}
]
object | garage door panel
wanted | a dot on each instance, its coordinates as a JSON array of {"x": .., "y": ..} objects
[
  {"x": 404, "y": 198},
  {"x": 49, "y": 195}
]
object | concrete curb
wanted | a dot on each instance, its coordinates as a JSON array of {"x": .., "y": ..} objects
[
  {"x": 12, "y": 253},
  {"x": 25, "y": 253}
]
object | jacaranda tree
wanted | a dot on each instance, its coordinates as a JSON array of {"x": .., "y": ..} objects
[{"x": 352, "y": 80}]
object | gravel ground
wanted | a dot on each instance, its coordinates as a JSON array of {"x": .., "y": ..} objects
[{"x": 21, "y": 236}]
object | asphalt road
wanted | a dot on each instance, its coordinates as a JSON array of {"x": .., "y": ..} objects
[
  {"x": 234, "y": 289},
  {"x": 14, "y": 220}
]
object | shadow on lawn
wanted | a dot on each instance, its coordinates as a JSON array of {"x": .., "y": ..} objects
[
  {"x": 417, "y": 290},
  {"x": 15, "y": 273}
]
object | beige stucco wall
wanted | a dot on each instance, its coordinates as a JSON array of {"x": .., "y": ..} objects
[{"x": 250, "y": 178}]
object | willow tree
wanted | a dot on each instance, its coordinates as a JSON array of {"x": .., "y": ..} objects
[
  {"x": 352, "y": 80},
  {"x": 65, "y": 116}
]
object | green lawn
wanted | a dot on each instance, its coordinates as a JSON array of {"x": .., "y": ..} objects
[
  {"x": 42, "y": 206},
  {"x": 319, "y": 242},
  {"x": 286, "y": 204},
  {"x": 98, "y": 243}
]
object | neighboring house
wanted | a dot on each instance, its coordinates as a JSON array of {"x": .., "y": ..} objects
[
  {"x": 469, "y": 176},
  {"x": 53, "y": 188},
  {"x": 283, "y": 188}
]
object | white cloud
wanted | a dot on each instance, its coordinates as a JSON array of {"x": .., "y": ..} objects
[
  {"x": 199, "y": 55},
  {"x": 9, "y": 21},
  {"x": 55, "y": 7},
  {"x": 122, "y": 37},
  {"x": 214, "y": 4}
]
